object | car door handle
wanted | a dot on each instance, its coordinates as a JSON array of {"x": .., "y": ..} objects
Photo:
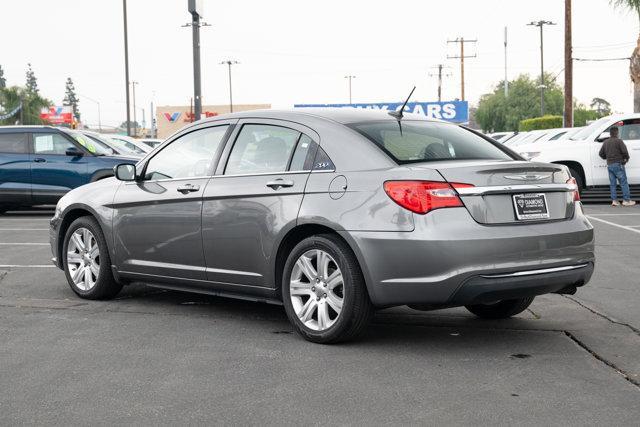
[
  {"x": 188, "y": 188},
  {"x": 39, "y": 160},
  {"x": 279, "y": 183}
]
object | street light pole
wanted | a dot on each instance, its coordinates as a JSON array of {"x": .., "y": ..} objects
[
  {"x": 126, "y": 64},
  {"x": 541, "y": 24},
  {"x": 230, "y": 62},
  {"x": 135, "y": 121},
  {"x": 98, "y": 104},
  {"x": 350, "y": 77}
]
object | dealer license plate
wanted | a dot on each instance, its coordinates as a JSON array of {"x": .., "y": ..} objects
[{"x": 530, "y": 206}]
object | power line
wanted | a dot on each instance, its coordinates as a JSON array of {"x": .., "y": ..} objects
[{"x": 601, "y": 59}]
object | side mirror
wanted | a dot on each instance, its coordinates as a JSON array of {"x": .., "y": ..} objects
[
  {"x": 603, "y": 136},
  {"x": 74, "y": 151},
  {"x": 125, "y": 172}
]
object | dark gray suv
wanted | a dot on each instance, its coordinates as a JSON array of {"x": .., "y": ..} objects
[{"x": 333, "y": 213}]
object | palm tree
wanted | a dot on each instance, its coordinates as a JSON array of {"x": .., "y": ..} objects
[{"x": 634, "y": 67}]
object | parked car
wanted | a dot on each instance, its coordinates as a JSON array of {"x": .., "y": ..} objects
[
  {"x": 39, "y": 164},
  {"x": 131, "y": 143},
  {"x": 332, "y": 213},
  {"x": 117, "y": 147},
  {"x": 152, "y": 142},
  {"x": 501, "y": 137},
  {"x": 580, "y": 152}
]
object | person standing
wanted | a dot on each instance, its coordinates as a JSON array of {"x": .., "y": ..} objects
[{"x": 616, "y": 154}]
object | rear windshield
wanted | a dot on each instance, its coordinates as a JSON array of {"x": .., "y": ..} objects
[{"x": 420, "y": 141}]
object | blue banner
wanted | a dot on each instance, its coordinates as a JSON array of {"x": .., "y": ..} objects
[
  {"x": 451, "y": 111},
  {"x": 11, "y": 113}
]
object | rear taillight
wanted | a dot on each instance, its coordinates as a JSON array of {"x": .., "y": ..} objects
[
  {"x": 424, "y": 196},
  {"x": 576, "y": 191}
]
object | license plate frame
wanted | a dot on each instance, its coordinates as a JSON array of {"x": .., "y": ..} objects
[{"x": 528, "y": 208}]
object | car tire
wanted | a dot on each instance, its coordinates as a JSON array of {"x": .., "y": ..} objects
[
  {"x": 501, "y": 309},
  {"x": 88, "y": 270},
  {"x": 334, "y": 312},
  {"x": 578, "y": 177}
]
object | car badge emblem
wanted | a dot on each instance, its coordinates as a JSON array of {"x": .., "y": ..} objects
[
  {"x": 528, "y": 177},
  {"x": 521, "y": 203}
]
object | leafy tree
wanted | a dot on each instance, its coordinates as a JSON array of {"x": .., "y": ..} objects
[
  {"x": 602, "y": 106},
  {"x": 11, "y": 97},
  {"x": 582, "y": 115},
  {"x": 32, "y": 81},
  {"x": 71, "y": 99},
  {"x": 134, "y": 125},
  {"x": 3, "y": 81},
  {"x": 634, "y": 67},
  {"x": 499, "y": 113}
]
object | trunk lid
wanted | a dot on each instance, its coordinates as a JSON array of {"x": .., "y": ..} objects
[{"x": 495, "y": 183}]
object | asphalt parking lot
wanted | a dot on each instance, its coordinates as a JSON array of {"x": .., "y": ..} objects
[{"x": 154, "y": 356}]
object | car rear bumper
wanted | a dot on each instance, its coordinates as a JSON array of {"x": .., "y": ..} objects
[{"x": 450, "y": 259}]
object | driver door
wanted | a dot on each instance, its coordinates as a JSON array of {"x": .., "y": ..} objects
[
  {"x": 157, "y": 220},
  {"x": 630, "y": 134}
]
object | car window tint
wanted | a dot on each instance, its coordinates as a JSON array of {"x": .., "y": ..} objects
[
  {"x": 261, "y": 149},
  {"x": 190, "y": 155},
  {"x": 303, "y": 156},
  {"x": 629, "y": 129},
  {"x": 420, "y": 141},
  {"x": 14, "y": 143},
  {"x": 50, "y": 143},
  {"x": 557, "y": 136}
]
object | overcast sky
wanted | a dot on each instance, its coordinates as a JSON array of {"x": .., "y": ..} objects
[{"x": 299, "y": 51}]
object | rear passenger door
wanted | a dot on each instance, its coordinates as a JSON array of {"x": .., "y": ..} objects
[
  {"x": 15, "y": 170},
  {"x": 254, "y": 198},
  {"x": 53, "y": 172}
]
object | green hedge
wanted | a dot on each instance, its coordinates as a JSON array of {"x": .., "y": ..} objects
[{"x": 544, "y": 122}]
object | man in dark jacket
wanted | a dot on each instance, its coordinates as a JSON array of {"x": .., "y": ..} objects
[{"x": 616, "y": 154}]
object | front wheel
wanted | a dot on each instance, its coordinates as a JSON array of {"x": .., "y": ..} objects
[
  {"x": 501, "y": 309},
  {"x": 87, "y": 265},
  {"x": 324, "y": 292}
]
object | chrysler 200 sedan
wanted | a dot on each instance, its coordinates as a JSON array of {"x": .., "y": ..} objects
[{"x": 332, "y": 213}]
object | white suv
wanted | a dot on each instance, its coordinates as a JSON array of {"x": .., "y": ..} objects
[{"x": 580, "y": 151}]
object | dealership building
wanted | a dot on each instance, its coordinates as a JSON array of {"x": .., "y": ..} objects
[{"x": 170, "y": 119}]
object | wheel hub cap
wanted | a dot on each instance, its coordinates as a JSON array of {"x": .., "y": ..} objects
[
  {"x": 317, "y": 289},
  {"x": 83, "y": 259}
]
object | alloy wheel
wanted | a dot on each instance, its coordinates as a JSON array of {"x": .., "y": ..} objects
[
  {"x": 83, "y": 259},
  {"x": 316, "y": 289}
]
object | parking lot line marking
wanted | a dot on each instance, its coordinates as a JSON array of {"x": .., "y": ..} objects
[
  {"x": 612, "y": 214},
  {"x": 24, "y": 229},
  {"x": 624, "y": 227},
  {"x": 27, "y": 266},
  {"x": 24, "y": 244}
]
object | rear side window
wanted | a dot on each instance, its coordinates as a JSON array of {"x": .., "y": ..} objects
[
  {"x": 629, "y": 129},
  {"x": 13, "y": 143},
  {"x": 303, "y": 156},
  {"x": 419, "y": 141},
  {"x": 262, "y": 149}
]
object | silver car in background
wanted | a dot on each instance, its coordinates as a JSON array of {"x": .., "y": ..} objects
[{"x": 332, "y": 213}]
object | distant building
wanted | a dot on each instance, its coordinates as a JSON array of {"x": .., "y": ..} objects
[{"x": 170, "y": 119}]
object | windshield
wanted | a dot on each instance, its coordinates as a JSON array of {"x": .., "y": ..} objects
[
  {"x": 428, "y": 141},
  {"x": 588, "y": 130},
  {"x": 94, "y": 147}
]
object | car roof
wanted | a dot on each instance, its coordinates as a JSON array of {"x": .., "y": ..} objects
[
  {"x": 341, "y": 115},
  {"x": 13, "y": 128}
]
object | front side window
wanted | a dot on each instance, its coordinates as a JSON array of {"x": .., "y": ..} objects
[
  {"x": 13, "y": 143},
  {"x": 629, "y": 129},
  {"x": 419, "y": 141},
  {"x": 51, "y": 143},
  {"x": 191, "y": 155},
  {"x": 262, "y": 149}
]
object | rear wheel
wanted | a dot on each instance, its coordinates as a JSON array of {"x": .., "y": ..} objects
[
  {"x": 324, "y": 292},
  {"x": 501, "y": 309},
  {"x": 87, "y": 265}
]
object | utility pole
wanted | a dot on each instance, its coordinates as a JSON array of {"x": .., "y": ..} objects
[
  {"x": 462, "y": 56},
  {"x": 195, "y": 9},
  {"x": 541, "y": 24},
  {"x": 568, "y": 67},
  {"x": 152, "y": 118},
  {"x": 440, "y": 75},
  {"x": 135, "y": 121},
  {"x": 350, "y": 77},
  {"x": 126, "y": 64},
  {"x": 230, "y": 62},
  {"x": 506, "y": 79}
]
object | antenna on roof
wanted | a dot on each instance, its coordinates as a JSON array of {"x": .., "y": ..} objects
[{"x": 399, "y": 113}]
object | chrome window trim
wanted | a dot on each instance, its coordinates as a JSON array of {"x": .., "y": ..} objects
[
  {"x": 225, "y": 176},
  {"x": 534, "y": 272},
  {"x": 479, "y": 191}
]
